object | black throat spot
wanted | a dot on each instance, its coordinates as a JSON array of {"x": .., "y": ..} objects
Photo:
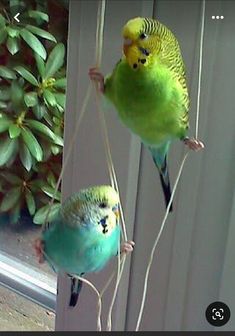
[{"x": 104, "y": 225}]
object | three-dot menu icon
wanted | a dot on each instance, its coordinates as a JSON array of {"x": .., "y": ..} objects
[{"x": 217, "y": 17}]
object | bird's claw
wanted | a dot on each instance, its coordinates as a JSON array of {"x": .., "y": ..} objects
[
  {"x": 194, "y": 144},
  {"x": 96, "y": 76},
  {"x": 127, "y": 247},
  {"x": 39, "y": 249}
]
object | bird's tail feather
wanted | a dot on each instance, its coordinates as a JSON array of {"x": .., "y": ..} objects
[
  {"x": 76, "y": 286},
  {"x": 159, "y": 155},
  {"x": 165, "y": 182}
]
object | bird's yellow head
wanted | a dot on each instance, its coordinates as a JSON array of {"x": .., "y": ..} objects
[
  {"x": 141, "y": 42},
  {"x": 97, "y": 206}
]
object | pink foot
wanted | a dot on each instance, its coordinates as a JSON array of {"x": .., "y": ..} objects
[
  {"x": 127, "y": 247},
  {"x": 97, "y": 77},
  {"x": 194, "y": 144},
  {"x": 39, "y": 248}
]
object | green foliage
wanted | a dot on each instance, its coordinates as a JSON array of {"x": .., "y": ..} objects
[{"x": 32, "y": 103}]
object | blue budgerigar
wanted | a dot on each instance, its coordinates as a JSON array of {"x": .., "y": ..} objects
[{"x": 84, "y": 235}]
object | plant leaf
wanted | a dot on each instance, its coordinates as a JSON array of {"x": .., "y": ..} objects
[
  {"x": 61, "y": 99},
  {"x": 16, "y": 6},
  {"x": 5, "y": 93},
  {"x": 26, "y": 75},
  {"x": 17, "y": 94},
  {"x": 55, "y": 149},
  {"x": 10, "y": 199},
  {"x": 5, "y": 124},
  {"x": 25, "y": 157},
  {"x": 7, "y": 148},
  {"x": 55, "y": 60},
  {"x": 14, "y": 131},
  {"x": 2, "y": 105},
  {"x": 51, "y": 179},
  {"x": 40, "y": 32},
  {"x": 30, "y": 202},
  {"x": 35, "y": 185},
  {"x": 41, "y": 214},
  {"x": 58, "y": 140},
  {"x": 48, "y": 118},
  {"x": 15, "y": 212},
  {"x": 60, "y": 83},
  {"x": 14, "y": 153},
  {"x": 49, "y": 97},
  {"x": 50, "y": 192},
  {"x": 2, "y": 21},
  {"x": 31, "y": 99},
  {"x": 6, "y": 72},
  {"x": 11, "y": 178},
  {"x": 42, "y": 128},
  {"x": 34, "y": 43},
  {"x": 13, "y": 32},
  {"x": 32, "y": 144},
  {"x": 39, "y": 110},
  {"x": 13, "y": 45},
  {"x": 3, "y": 35},
  {"x": 40, "y": 65},
  {"x": 38, "y": 15}
]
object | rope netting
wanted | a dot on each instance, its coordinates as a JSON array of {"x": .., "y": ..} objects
[{"x": 112, "y": 173}]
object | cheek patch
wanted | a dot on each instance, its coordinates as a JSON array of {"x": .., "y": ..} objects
[{"x": 144, "y": 51}]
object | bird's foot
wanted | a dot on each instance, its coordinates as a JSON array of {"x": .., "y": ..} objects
[
  {"x": 193, "y": 144},
  {"x": 96, "y": 76},
  {"x": 127, "y": 247},
  {"x": 39, "y": 249}
]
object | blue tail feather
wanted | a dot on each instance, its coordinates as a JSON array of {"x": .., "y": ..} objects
[{"x": 159, "y": 155}]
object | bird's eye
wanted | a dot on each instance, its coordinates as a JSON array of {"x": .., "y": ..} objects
[
  {"x": 82, "y": 218},
  {"x": 103, "y": 205},
  {"x": 143, "y": 36}
]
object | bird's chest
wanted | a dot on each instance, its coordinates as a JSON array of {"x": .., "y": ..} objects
[{"x": 146, "y": 101}]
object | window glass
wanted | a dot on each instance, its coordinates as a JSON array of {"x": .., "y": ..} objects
[
  {"x": 33, "y": 52},
  {"x": 33, "y": 44}
]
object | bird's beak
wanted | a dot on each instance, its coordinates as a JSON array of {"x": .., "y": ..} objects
[
  {"x": 117, "y": 214},
  {"x": 126, "y": 45},
  {"x": 116, "y": 211}
]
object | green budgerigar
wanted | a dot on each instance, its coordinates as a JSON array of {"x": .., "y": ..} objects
[
  {"x": 148, "y": 88},
  {"x": 84, "y": 235}
]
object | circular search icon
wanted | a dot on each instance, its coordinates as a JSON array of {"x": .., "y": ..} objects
[{"x": 218, "y": 314}]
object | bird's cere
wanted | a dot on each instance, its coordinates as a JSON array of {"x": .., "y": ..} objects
[{"x": 127, "y": 42}]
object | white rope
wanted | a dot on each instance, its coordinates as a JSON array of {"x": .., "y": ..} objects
[
  {"x": 200, "y": 68},
  {"x": 119, "y": 275},
  {"x": 178, "y": 176},
  {"x": 70, "y": 148},
  {"x": 99, "y": 304},
  {"x": 109, "y": 160},
  {"x": 104, "y": 132},
  {"x": 99, "y": 47},
  {"x": 156, "y": 243},
  {"x": 100, "y": 15},
  {"x": 110, "y": 279}
]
